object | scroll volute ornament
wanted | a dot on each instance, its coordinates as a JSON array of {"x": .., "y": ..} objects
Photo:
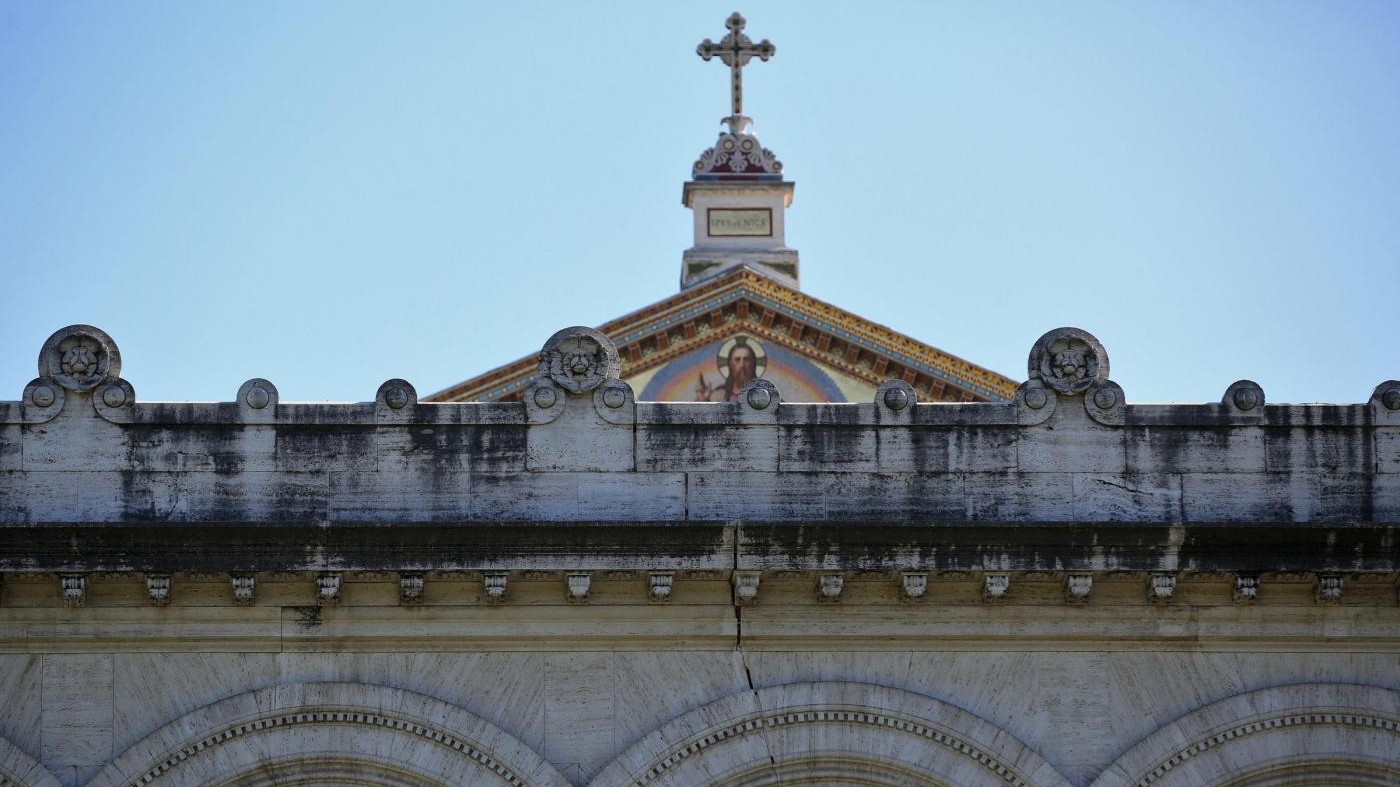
[
  {"x": 1068, "y": 361},
  {"x": 579, "y": 360}
]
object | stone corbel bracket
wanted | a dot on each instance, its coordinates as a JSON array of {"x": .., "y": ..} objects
[
  {"x": 74, "y": 588},
  {"x": 577, "y": 586},
  {"x": 659, "y": 586},
  {"x": 913, "y": 585},
  {"x": 1161, "y": 588},
  {"x": 410, "y": 587},
  {"x": 158, "y": 589},
  {"x": 746, "y": 586},
  {"x": 495, "y": 586}
]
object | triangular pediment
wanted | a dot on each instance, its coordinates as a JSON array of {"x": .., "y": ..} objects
[{"x": 679, "y": 349}]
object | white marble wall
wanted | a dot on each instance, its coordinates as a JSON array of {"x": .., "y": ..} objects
[{"x": 579, "y": 711}]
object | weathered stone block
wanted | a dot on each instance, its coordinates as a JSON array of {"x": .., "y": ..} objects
[
  {"x": 77, "y": 720},
  {"x": 1385, "y": 497},
  {"x": 11, "y": 455},
  {"x": 1277, "y": 497},
  {"x": 947, "y": 450},
  {"x": 1127, "y": 498},
  {"x": 1018, "y": 497},
  {"x": 698, "y": 447},
  {"x": 448, "y": 448},
  {"x": 1302, "y": 449},
  {"x": 1071, "y": 442},
  {"x": 827, "y": 448},
  {"x": 321, "y": 449},
  {"x": 757, "y": 496},
  {"x": 77, "y": 439},
  {"x": 1224, "y": 449},
  {"x": 1387, "y": 444},
  {"x": 627, "y": 497},
  {"x": 422, "y": 496},
  {"x": 901, "y": 497},
  {"x": 579, "y": 440}
]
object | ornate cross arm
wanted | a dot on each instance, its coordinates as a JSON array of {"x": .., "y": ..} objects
[{"x": 735, "y": 50}]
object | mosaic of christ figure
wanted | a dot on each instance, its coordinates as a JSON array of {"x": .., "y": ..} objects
[{"x": 740, "y": 359}]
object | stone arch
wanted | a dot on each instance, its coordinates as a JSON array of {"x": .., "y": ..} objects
[
  {"x": 18, "y": 769},
  {"x": 329, "y": 733},
  {"x": 828, "y": 733},
  {"x": 1284, "y": 736}
]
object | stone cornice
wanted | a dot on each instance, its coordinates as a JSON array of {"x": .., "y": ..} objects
[{"x": 1068, "y": 476}]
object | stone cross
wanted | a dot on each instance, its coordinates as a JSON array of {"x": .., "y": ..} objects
[{"x": 734, "y": 50}]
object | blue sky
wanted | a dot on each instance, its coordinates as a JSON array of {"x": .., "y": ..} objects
[{"x": 332, "y": 194}]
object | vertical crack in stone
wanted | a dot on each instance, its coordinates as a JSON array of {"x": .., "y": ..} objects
[{"x": 743, "y": 656}]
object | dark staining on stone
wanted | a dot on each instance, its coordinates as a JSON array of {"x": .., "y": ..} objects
[
  {"x": 690, "y": 445},
  {"x": 829, "y": 446},
  {"x": 308, "y": 617},
  {"x": 451, "y": 447}
]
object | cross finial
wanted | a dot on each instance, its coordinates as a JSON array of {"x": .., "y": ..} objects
[{"x": 735, "y": 50}]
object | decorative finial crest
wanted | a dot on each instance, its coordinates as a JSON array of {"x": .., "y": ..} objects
[
  {"x": 1068, "y": 361},
  {"x": 579, "y": 359},
  {"x": 80, "y": 357}
]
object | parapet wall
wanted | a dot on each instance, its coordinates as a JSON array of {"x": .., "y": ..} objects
[{"x": 580, "y": 474}]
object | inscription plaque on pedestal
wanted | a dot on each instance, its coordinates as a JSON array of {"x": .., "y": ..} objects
[{"x": 739, "y": 222}]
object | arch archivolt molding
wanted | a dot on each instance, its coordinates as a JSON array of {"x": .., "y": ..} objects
[
  {"x": 828, "y": 733},
  {"x": 836, "y": 715},
  {"x": 322, "y": 733},
  {"x": 1287, "y": 733}
]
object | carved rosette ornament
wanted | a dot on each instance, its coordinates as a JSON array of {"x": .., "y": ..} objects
[
  {"x": 579, "y": 360},
  {"x": 79, "y": 358},
  {"x": 1068, "y": 361}
]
